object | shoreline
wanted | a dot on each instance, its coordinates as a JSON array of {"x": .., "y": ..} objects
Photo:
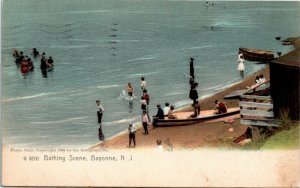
[{"x": 120, "y": 140}]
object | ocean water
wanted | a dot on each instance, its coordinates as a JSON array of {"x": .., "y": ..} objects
[{"x": 98, "y": 46}]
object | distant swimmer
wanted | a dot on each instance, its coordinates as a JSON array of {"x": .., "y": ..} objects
[
  {"x": 24, "y": 67},
  {"x": 43, "y": 55},
  {"x": 50, "y": 61},
  {"x": 30, "y": 65},
  {"x": 44, "y": 63},
  {"x": 143, "y": 84},
  {"x": 34, "y": 53},
  {"x": 16, "y": 53},
  {"x": 130, "y": 89}
]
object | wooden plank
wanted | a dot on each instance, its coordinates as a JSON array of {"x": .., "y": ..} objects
[
  {"x": 255, "y": 105},
  {"x": 235, "y": 94},
  {"x": 258, "y": 113},
  {"x": 257, "y": 118},
  {"x": 258, "y": 123},
  {"x": 258, "y": 86},
  {"x": 256, "y": 97}
]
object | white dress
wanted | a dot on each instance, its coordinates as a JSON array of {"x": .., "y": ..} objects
[{"x": 241, "y": 66}]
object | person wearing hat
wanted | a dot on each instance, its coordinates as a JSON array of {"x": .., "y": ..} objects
[
  {"x": 145, "y": 122},
  {"x": 160, "y": 112}
]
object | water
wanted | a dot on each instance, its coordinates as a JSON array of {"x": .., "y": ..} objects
[{"x": 100, "y": 46}]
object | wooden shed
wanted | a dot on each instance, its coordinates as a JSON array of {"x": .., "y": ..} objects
[{"x": 284, "y": 84}]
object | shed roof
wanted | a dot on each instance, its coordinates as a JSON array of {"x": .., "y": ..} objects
[{"x": 291, "y": 59}]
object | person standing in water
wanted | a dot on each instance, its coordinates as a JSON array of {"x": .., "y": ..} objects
[
  {"x": 99, "y": 115},
  {"x": 143, "y": 84},
  {"x": 130, "y": 90},
  {"x": 34, "y": 53},
  {"x": 241, "y": 65},
  {"x": 145, "y": 122}
]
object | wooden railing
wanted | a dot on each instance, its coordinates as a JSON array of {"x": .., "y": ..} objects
[{"x": 257, "y": 111}]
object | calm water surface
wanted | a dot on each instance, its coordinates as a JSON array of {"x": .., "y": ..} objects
[{"x": 100, "y": 45}]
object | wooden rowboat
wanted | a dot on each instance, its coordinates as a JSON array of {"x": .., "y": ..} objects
[
  {"x": 256, "y": 55},
  {"x": 183, "y": 118}
]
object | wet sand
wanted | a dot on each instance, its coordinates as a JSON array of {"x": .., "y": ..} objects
[{"x": 209, "y": 134}]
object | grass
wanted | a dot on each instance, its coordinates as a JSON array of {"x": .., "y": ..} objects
[{"x": 286, "y": 139}]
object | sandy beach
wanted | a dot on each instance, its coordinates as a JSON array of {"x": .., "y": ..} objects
[{"x": 209, "y": 134}]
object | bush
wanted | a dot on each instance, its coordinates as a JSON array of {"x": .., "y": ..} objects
[{"x": 284, "y": 119}]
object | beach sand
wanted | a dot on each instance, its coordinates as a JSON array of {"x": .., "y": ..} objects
[{"x": 210, "y": 134}]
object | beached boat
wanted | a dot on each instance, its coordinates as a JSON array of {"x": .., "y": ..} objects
[
  {"x": 183, "y": 118},
  {"x": 256, "y": 55}
]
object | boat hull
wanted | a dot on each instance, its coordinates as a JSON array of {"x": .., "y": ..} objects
[
  {"x": 191, "y": 121},
  {"x": 256, "y": 55}
]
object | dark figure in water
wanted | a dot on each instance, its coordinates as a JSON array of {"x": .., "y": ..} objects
[
  {"x": 20, "y": 58},
  {"x": 44, "y": 65},
  {"x": 16, "y": 53},
  {"x": 100, "y": 134},
  {"x": 34, "y": 53},
  {"x": 50, "y": 64}
]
